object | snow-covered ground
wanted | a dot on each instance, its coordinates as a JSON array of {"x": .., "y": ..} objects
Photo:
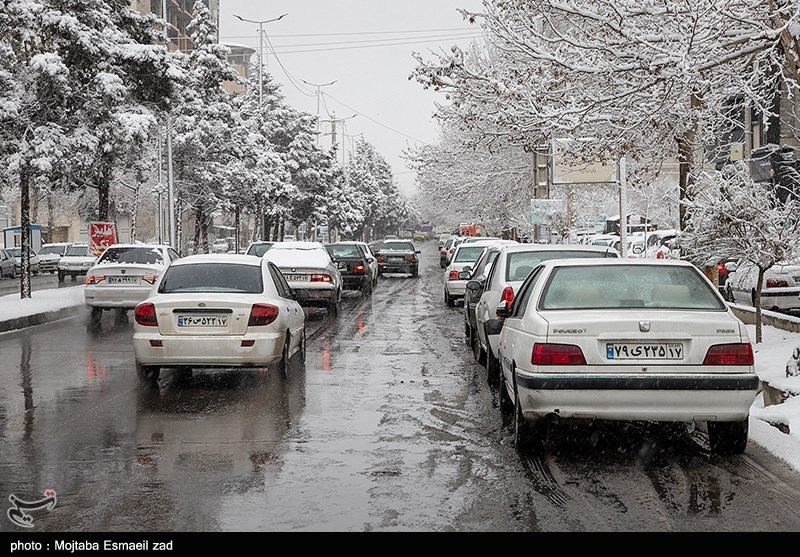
[
  {"x": 771, "y": 358},
  {"x": 41, "y": 301}
]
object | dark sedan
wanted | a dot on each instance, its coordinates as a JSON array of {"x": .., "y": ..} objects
[
  {"x": 354, "y": 265},
  {"x": 398, "y": 256}
]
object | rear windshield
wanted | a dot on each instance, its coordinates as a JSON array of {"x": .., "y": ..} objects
[
  {"x": 259, "y": 249},
  {"x": 344, "y": 251},
  {"x": 58, "y": 250},
  {"x": 468, "y": 254},
  {"x": 520, "y": 264},
  {"x": 212, "y": 277},
  {"x": 77, "y": 251},
  {"x": 143, "y": 255},
  {"x": 629, "y": 286},
  {"x": 397, "y": 246}
]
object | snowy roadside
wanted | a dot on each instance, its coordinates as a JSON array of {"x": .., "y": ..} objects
[{"x": 42, "y": 306}]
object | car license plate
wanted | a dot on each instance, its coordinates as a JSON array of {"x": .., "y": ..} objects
[
  {"x": 297, "y": 278},
  {"x": 202, "y": 321},
  {"x": 636, "y": 351},
  {"x": 123, "y": 280},
  {"x": 396, "y": 259}
]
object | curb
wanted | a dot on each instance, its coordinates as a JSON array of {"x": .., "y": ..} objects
[
  {"x": 38, "y": 319},
  {"x": 778, "y": 320}
]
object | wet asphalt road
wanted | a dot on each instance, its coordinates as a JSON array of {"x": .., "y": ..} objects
[
  {"x": 389, "y": 426},
  {"x": 38, "y": 282}
]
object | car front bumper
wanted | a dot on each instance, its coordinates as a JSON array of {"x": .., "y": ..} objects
[{"x": 208, "y": 351}]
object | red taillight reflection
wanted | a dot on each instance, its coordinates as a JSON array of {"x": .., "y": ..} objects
[
  {"x": 321, "y": 278},
  {"x": 94, "y": 279},
  {"x": 729, "y": 355},
  {"x": 262, "y": 315},
  {"x": 145, "y": 315},
  {"x": 557, "y": 355}
]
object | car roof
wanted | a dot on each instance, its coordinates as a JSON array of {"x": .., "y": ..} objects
[
  {"x": 57, "y": 244},
  {"x": 298, "y": 245},
  {"x": 620, "y": 261},
  {"x": 515, "y": 248},
  {"x": 161, "y": 246},
  {"x": 232, "y": 259}
]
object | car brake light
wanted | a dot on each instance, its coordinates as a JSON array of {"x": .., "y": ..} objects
[
  {"x": 145, "y": 315},
  {"x": 557, "y": 355},
  {"x": 94, "y": 279},
  {"x": 507, "y": 296},
  {"x": 729, "y": 355},
  {"x": 411, "y": 258},
  {"x": 381, "y": 259},
  {"x": 777, "y": 283},
  {"x": 262, "y": 314},
  {"x": 360, "y": 269},
  {"x": 453, "y": 275},
  {"x": 321, "y": 278},
  {"x": 150, "y": 279},
  {"x": 443, "y": 252}
]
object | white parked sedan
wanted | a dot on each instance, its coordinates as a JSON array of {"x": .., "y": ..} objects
[
  {"x": 218, "y": 311},
  {"x": 510, "y": 268},
  {"x": 308, "y": 265},
  {"x": 625, "y": 340},
  {"x": 124, "y": 276},
  {"x": 464, "y": 257},
  {"x": 779, "y": 292}
]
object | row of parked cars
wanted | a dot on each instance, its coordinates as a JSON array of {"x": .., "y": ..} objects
[
  {"x": 64, "y": 259},
  {"x": 575, "y": 332}
]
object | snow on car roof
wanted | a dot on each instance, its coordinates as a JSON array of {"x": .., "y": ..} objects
[
  {"x": 514, "y": 248},
  {"x": 316, "y": 256},
  {"x": 618, "y": 261},
  {"x": 297, "y": 246},
  {"x": 219, "y": 258}
]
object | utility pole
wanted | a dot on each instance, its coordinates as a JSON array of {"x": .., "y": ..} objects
[
  {"x": 168, "y": 126},
  {"x": 623, "y": 207},
  {"x": 318, "y": 86},
  {"x": 260, "y": 51}
]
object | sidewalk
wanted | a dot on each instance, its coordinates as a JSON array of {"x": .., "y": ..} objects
[{"x": 771, "y": 357}]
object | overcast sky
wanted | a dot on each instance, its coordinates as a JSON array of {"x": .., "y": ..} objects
[{"x": 371, "y": 81}]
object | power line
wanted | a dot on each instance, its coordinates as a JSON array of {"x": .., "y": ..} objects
[
  {"x": 373, "y": 120},
  {"x": 291, "y": 79},
  {"x": 370, "y": 45},
  {"x": 462, "y": 29},
  {"x": 466, "y": 34}
]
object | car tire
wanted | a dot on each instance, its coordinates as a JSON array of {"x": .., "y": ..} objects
[
  {"x": 528, "y": 437},
  {"x": 95, "y": 317},
  {"x": 467, "y": 332},
  {"x": 493, "y": 370},
  {"x": 13, "y": 271},
  {"x": 148, "y": 375},
  {"x": 415, "y": 272},
  {"x": 74, "y": 277},
  {"x": 728, "y": 438},
  {"x": 303, "y": 346},
  {"x": 333, "y": 306},
  {"x": 478, "y": 353},
  {"x": 283, "y": 364},
  {"x": 505, "y": 402},
  {"x": 60, "y": 276},
  {"x": 448, "y": 300},
  {"x": 366, "y": 289}
]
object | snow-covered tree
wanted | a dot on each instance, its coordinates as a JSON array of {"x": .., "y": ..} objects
[{"x": 733, "y": 216}]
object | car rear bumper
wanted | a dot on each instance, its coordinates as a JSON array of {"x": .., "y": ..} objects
[
  {"x": 633, "y": 397},
  {"x": 456, "y": 288},
  {"x": 355, "y": 282},
  {"x": 113, "y": 298},
  {"x": 397, "y": 267},
  {"x": 208, "y": 350}
]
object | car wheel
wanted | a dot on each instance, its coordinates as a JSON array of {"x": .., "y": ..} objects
[
  {"x": 728, "y": 438},
  {"x": 366, "y": 289},
  {"x": 60, "y": 276},
  {"x": 467, "y": 332},
  {"x": 147, "y": 374},
  {"x": 493, "y": 370},
  {"x": 448, "y": 300},
  {"x": 478, "y": 353},
  {"x": 95, "y": 317},
  {"x": 333, "y": 306},
  {"x": 283, "y": 364},
  {"x": 303, "y": 344},
  {"x": 415, "y": 272},
  {"x": 13, "y": 272},
  {"x": 506, "y": 404},
  {"x": 528, "y": 436},
  {"x": 74, "y": 277}
]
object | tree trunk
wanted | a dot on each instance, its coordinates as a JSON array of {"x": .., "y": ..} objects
[
  {"x": 103, "y": 189},
  {"x": 275, "y": 230},
  {"x": 25, "y": 233},
  {"x": 178, "y": 224},
  {"x": 686, "y": 164},
  {"x": 204, "y": 230},
  {"x": 236, "y": 224},
  {"x": 197, "y": 213},
  {"x": 134, "y": 212},
  {"x": 51, "y": 218},
  {"x": 34, "y": 195},
  {"x": 267, "y": 223},
  {"x": 757, "y": 303},
  {"x": 283, "y": 229}
]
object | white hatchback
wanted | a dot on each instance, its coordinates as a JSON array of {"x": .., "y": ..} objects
[
  {"x": 218, "y": 311},
  {"x": 625, "y": 340},
  {"x": 510, "y": 268}
]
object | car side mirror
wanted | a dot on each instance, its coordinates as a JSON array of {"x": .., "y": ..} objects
[
  {"x": 474, "y": 285},
  {"x": 464, "y": 275},
  {"x": 370, "y": 260},
  {"x": 301, "y": 294},
  {"x": 419, "y": 251},
  {"x": 503, "y": 311}
]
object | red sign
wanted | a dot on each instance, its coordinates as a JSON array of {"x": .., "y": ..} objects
[{"x": 101, "y": 235}]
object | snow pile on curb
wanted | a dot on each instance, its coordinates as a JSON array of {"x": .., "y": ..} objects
[{"x": 42, "y": 301}]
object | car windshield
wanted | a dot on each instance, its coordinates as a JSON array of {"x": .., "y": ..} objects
[
  {"x": 468, "y": 254},
  {"x": 397, "y": 246},
  {"x": 344, "y": 250},
  {"x": 629, "y": 286},
  {"x": 16, "y": 252},
  {"x": 520, "y": 264},
  {"x": 258, "y": 249},
  {"x": 212, "y": 277},
  {"x": 77, "y": 251},
  {"x": 137, "y": 255},
  {"x": 52, "y": 249}
]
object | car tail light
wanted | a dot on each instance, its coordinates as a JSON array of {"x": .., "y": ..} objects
[
  {"x": 145, "y": 315},
  {"x": 411, "y": 258},
  {"x": 443, "y": 252},
  {"x": 262, "y": 315},
  {"x": 321, "y": 278},
  {"x": 381, "y": 259},
  {"x": 557, "y": 355},
  {"x": 150, "y": 279},
  {"x": 777, "y": 283},
  {"x": 359, "y": 269},
  {"x": 94, "y": 279},
  {"x": 729, "y": 355},
  {"x": 507, "y": 296},
  {"x": 453, "y": 275},
  {"x": 452, "y": 250}
]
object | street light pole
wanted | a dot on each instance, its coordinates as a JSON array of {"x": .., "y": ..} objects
[
  {"x": 318, "y": 86},
  {"x": 260, "y": 51}
]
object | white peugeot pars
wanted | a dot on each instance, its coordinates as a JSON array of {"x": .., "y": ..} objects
[{"x": 628, "y": 340}]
